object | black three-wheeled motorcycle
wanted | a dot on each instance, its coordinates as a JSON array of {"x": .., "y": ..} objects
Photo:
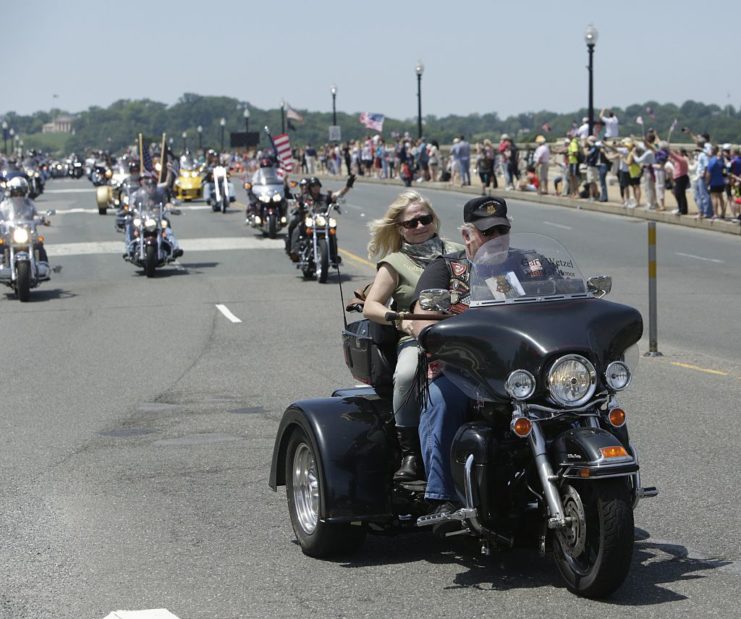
[{"x": 545, "y": 459}]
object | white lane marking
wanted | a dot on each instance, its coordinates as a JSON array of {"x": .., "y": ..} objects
[
  {"x": 555, "y": 225},
  {"x": 69, "y": 211},
  {"x": 189, "y": 245},
  {"x": 152, "y": 613},
  {"x": 700, "y": 258},
  {"x": 229, "y": 316},
  {"x": 89, "y": 190}
]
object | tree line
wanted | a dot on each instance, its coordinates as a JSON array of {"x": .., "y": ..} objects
[{"x": 115, "y": 127}]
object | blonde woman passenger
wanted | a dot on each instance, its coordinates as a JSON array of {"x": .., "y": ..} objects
[{"x": 403, "y": 242}]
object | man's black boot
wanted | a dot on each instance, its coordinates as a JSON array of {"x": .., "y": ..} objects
[{"x": 411, "y": 458}]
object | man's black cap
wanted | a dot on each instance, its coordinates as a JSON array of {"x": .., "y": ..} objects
[{"x": 486, "y": 212}]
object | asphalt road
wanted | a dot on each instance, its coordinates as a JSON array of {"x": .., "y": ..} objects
[{"x": 137, "y": 424}]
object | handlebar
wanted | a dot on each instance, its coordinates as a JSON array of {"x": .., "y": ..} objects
[{"x": 394, "y": 316}]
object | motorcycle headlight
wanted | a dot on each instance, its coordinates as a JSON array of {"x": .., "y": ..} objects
[
  {"x": 277, "y": 198},
  {"x": 320, "y": 221},
  {"x": 163, "y": 223},
  {"x": 20, "y": 235},
  {"x": 150, "y": 224},
  {"x": 332, "y": 223},
  {"x": 572, "y": 380},
  {"x": 520, "y": 384},
  {"x": 264, "y": 198},
  {"x": 137, "y": 221},
  {"x": 308, "y": 223},
  {"x": 617, "y": 376}
]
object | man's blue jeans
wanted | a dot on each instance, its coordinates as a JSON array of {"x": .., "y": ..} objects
[
  {"x": 442, "y": 414},
  {"x": 702, "y": 198},
  {"x": 603, "y": 167}
]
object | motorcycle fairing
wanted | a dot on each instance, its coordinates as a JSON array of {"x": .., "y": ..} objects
[
  {"x": 578, "y": 450},
  {"x": 481, "y": 346},
  {"x": 350, "y": 435}
]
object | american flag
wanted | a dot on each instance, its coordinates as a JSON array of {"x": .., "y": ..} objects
[
  {"x": 292, "y": 114},
  {"x": 546, "y": 127},
  {"x": 145, "y": 157},
  {"x": 639, "y": 120},
  {"x": 282, "y": 146},
  {"x": 372, "y": 121}
]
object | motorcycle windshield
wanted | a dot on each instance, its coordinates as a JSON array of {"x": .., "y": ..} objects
[
  {"x": 17, "y": 209},
  {"x": 265, "y": 177},
  {"x": 529, "y": 306},
  {"x": 524, "y": 268}
]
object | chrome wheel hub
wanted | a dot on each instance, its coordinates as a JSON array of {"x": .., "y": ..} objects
[{"x": 305, "y": 488}]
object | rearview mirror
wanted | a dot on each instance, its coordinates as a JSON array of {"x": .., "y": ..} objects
[
  {"x": 599, "y": 285},
  {"x": 435, "y": 300}
]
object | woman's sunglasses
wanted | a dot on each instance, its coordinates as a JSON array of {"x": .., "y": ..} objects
[{"x": 410, "y": 224}]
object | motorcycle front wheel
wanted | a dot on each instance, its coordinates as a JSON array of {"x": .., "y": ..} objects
[
  {"x": 303, "y": 490},
  {"x": 594, "y": 552},
  {"x": 23, "y": 281},
  {"x": 272, "y": 226},
  {"x": 323, "y": 269},
  {"x": 150, "y": 260},
  {"x": 224, "y": 203}
]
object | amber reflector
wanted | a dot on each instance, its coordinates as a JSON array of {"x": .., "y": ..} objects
[
  {"x": 613, "y": 452},
  {"x": 522, "y": 427},
  {"x": 617, "y": 417},
  {"x": 584, "y": 473}
]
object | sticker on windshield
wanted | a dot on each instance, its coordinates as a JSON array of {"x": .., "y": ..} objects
[{"x": 505, "y": 286}]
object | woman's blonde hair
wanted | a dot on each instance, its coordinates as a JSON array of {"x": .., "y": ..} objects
[{"x": 385, "y": 237}]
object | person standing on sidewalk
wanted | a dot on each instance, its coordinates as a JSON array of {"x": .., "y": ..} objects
[
  {"x": 541, "y": 160},
  {"x": 701, "y": 195},
  {"x": 681, "y": 179}
]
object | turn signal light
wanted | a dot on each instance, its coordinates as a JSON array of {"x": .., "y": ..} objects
[
  {"x": 616, "y": 417},
  {"x": 522, "y": 427},
  {"x": 584, "y": 473},
  {"x": 332, "y": 231},
  {"x": 613, "y": 452},
  {"x": 309, "y": 230},
  {"x": 41, "y": 238}
]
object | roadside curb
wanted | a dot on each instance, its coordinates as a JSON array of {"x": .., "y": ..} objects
[{"x": 610, "y": 208}]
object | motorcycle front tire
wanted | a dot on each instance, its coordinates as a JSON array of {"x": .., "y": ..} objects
[
  {"x": 23, "y": 281},
  {"x": 323, "y": 269},
  {"x": 150, "y": 260},
  {"x": 272, "y": 226},
  {"x": 594, "y": 553},
  {"x": 224, "y": 203},
  {"x": 303, "y": 490}
]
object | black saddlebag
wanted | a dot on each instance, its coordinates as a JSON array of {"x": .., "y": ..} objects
[{"x": 370, "y": 354}]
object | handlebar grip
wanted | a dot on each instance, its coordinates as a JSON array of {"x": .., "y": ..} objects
[{"x": 392, "y": 316}]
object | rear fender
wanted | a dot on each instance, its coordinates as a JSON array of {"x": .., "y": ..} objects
[
  {"x": 577, "y": 454},
  {"x": 350, "y": 436}
]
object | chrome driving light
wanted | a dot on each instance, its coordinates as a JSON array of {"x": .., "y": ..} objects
[
  {"x": 20, "y": 235},
  {"x": 277, "y": 198},
  {"x": 332, "y": 222},
  {"x": 137, "y": 221},
  {"x": 572, "y": 380},
  {"x": 520, "y": 385},
  {"x": 150, "y": 224},
  {"x": 264, "y": 198},
  {"x": 617, "y": 376},
  {"x": 163, "y": 223}
]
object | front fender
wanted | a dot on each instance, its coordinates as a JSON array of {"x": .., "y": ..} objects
[
  {"x": 577, "y": 454},
  {"x": 351, "y": 440}
]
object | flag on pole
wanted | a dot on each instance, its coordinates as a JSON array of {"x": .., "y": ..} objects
[
  {"x": 282, "y": 146},
  {"x": 145, "y": 157},
  {"x": 650, "y": 112},
  {"x": 673, "y": 126},
  {"x": 292, "y": 114},
  {"x": 639, "y": 120},
  {"x": 163, "y": 158},
  {"x": 546, "y": 127},
  {"x": 372, "y": 121}
]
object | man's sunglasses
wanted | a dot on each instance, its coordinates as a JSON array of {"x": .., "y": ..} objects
[
  {"x": 410, "y": 224},
  {"x": 496, "y": 230}
]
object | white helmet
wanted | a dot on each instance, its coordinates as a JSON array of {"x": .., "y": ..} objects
[{"x": 18, "y": 186}]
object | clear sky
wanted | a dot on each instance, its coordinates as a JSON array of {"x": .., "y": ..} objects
[{"x": 479, "y": 56}]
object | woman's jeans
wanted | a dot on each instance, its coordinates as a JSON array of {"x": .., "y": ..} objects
[
  {"x": 680, "y": 189},
  {"x": 405, "y": 400},
  {"x": 442, "y": 414},
  {"x": 603, "y": 167},
  {"x": 702, "y": 198}
]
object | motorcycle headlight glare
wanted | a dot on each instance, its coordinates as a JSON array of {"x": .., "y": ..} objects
[
  {"x": 277, "y": 198},
  {"x": 308, "y": 222},
  {"x": 163, "y": 223},
  {"x": 572, "y": 380},
  {"x": 150, "y": 224},
  {"x": 332, "y": 223},
  {"x": 617, "y": 376},
  {"x": 520, "y": 384},
  {"x": 264, "y": 198},
  {"x": 137, "y": 221},
  {"x": 258, "y": 220},
  {"x": 320, "y": 221},
  {"x": 20, "y": 235}
]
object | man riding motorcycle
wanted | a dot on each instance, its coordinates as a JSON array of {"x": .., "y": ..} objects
[
  {"x": 485, "y": 224},
  {"x": 19, "y": 206},
  {"x": 315, "y": 199},
  {"x": 151, "y": 192}
]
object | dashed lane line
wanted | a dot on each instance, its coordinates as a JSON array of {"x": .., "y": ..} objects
[
  {"x": 203, "y": 244},
  {"x": 229, "y": 316},
  {"x": 555, "y": 225},
  {"x": 678, "y": 253},
  {"x": 356, "y": 258}
]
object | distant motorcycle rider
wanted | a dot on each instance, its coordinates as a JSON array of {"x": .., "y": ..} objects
[
  {"x": 18, "y": 206},
  {"x": 314, "y": 200},
  {"x": 151, "y": 193}
]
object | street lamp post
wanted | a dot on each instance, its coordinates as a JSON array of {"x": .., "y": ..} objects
[
  {"x": 419, "y": 69},
  {"x": 282, "y": 116},
  {"x": 5, "y": 137},
  {"x": 185, "y": 141},
  {"x": 199, "y": 129},
  {"x": 246, "y": 115},
  {"x": 333, "y": 90},
  {"x": 590, "y": 38},
  {"x": 222, "y": 122}
]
